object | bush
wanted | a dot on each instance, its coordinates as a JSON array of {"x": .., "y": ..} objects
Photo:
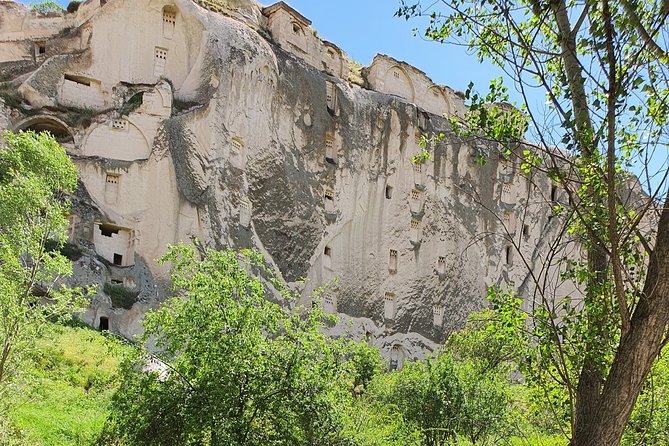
[
  {"x": 80, "y": 117},
  {"x": 69, "y": 250},
  {"x": 121, "y": 296},
  {"x": 131, "y": 104},
  {"x": 10, "y": 95},
  {"x": 73, "y": 6}
]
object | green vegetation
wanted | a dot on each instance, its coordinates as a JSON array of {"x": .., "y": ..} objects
[
  {"x": 131, "y": 104},
  {"x": 80, "y": 117},
  {"x": 66, "y": 390},
  {"x": 35, "y": 175},
  {"x": 121, "y": 296},
  {"x": 46, "y": 6},
  {"x": 318, "y": 391},
  {"x": 603, "y": 67},
  {"x": 73, "y": 6},
  {"x": 11, "y": 96},
  {"x": 239, "y": 368}
]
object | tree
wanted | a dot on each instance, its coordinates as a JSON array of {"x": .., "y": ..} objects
[
  {"x": 463, "y": 390},
  {"x": 35, "y": 177},
  {"x": 235, "y": 368},
  {"x": 603, "y": 68}
]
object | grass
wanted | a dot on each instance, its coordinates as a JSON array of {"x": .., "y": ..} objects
[
  {"x": 10, "y": 95},
  {"x": 66, "y": 398}
]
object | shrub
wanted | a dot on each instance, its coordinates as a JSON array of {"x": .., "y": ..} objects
[
  {"x": 80, "y": 117},
  {"x": 73, "y": 6},
  {"x": 131, "y": 104},
  {"x": 121, "y": 296}
]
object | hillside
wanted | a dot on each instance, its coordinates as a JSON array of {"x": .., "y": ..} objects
[{"x": 64, "y": 396}]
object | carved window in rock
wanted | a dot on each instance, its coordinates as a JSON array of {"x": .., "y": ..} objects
[
  {"x": 554, "y": 193},
  {"x": 441, "y": 264},
  {"x": 396, "y": 74},
  {"x": 330, "y": 150},
  {"x": 508, "y": 255},
  {"x": 423, "y": 119},
  {"x": 327, "y": 257},
  {"x": 329, "y": 304},
  {"x": 415, "y": 230},
  {"x": 438, "y": 315},
  {"x": 392, "y": 261},
  {"x": 389, "y": 306},
  {"x": 418, "y": 167},
  {"x": 415, "y": 195},
  {"x": 40, "y": 48},
  {"x": 119, "y": 124},
  {"x": 103, "y": 323},
  {"x": 169, "y": 21},
  {"x": 506, "y": 193},
  {"x": 245, "y": 213},
  {"x": 112, "y": 182},
  {"x": 509, "y": 220},
  {"x": 237, "y": 153},
  {"x": 81, "y": 80},
  {"x": 389, "y": 192},
  {"x": 526, "y": 230},
  {"x": 159, "y": 61},
  {"x": 298, "y": 38},
  {"x": 328, "y": 200},
  {"x": 331, "y": 96}
]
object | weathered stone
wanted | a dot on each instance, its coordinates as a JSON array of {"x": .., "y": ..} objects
[{"x": 247, "y": 132}]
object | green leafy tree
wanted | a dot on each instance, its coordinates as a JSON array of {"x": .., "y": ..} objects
[
  {"x": 234, "y": 367},
  {"x": 461, "y": 391},
  {"x": 603, "y": 66},
  {"x": 46, "y": 6},
  {"x": 35, "y": 177}
]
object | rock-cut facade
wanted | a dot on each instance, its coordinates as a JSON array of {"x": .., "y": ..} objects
[{"x": 234, "y": 124}]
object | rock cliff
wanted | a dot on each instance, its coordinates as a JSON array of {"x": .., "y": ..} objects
[{"x": 235, "y": 124}]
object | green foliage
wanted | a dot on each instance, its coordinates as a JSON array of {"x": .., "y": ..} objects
[
  {"x": 121, "y": 296},
  {"x": 65, "y": 397},
  {"x": 603, "y": 66},
  {"x": 80, "y": 117},
  {"x": 35, "y": 172},
  {"x": 427, "y": 142},
  {"x": 69, "y": 250},
  {"x": 46, "y": 6},
  {"x": 11, "y": 96},
  {"x": 73, "y": 6},
  {"x": 131, "y": 104},
  {"x": 649, "y": 421},
  {"x": 239, "y": 369}
]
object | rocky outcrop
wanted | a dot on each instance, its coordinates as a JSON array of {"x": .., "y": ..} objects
[{"x": 236, "y": 125}]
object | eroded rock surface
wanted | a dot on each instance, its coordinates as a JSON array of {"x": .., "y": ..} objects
[{"x": 236, "y": 125}]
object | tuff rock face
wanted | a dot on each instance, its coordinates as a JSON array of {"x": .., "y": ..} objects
[{"x": 236, "y": 125}]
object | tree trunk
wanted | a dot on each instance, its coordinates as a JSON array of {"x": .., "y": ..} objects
[{"x": 636, "y": 353}]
